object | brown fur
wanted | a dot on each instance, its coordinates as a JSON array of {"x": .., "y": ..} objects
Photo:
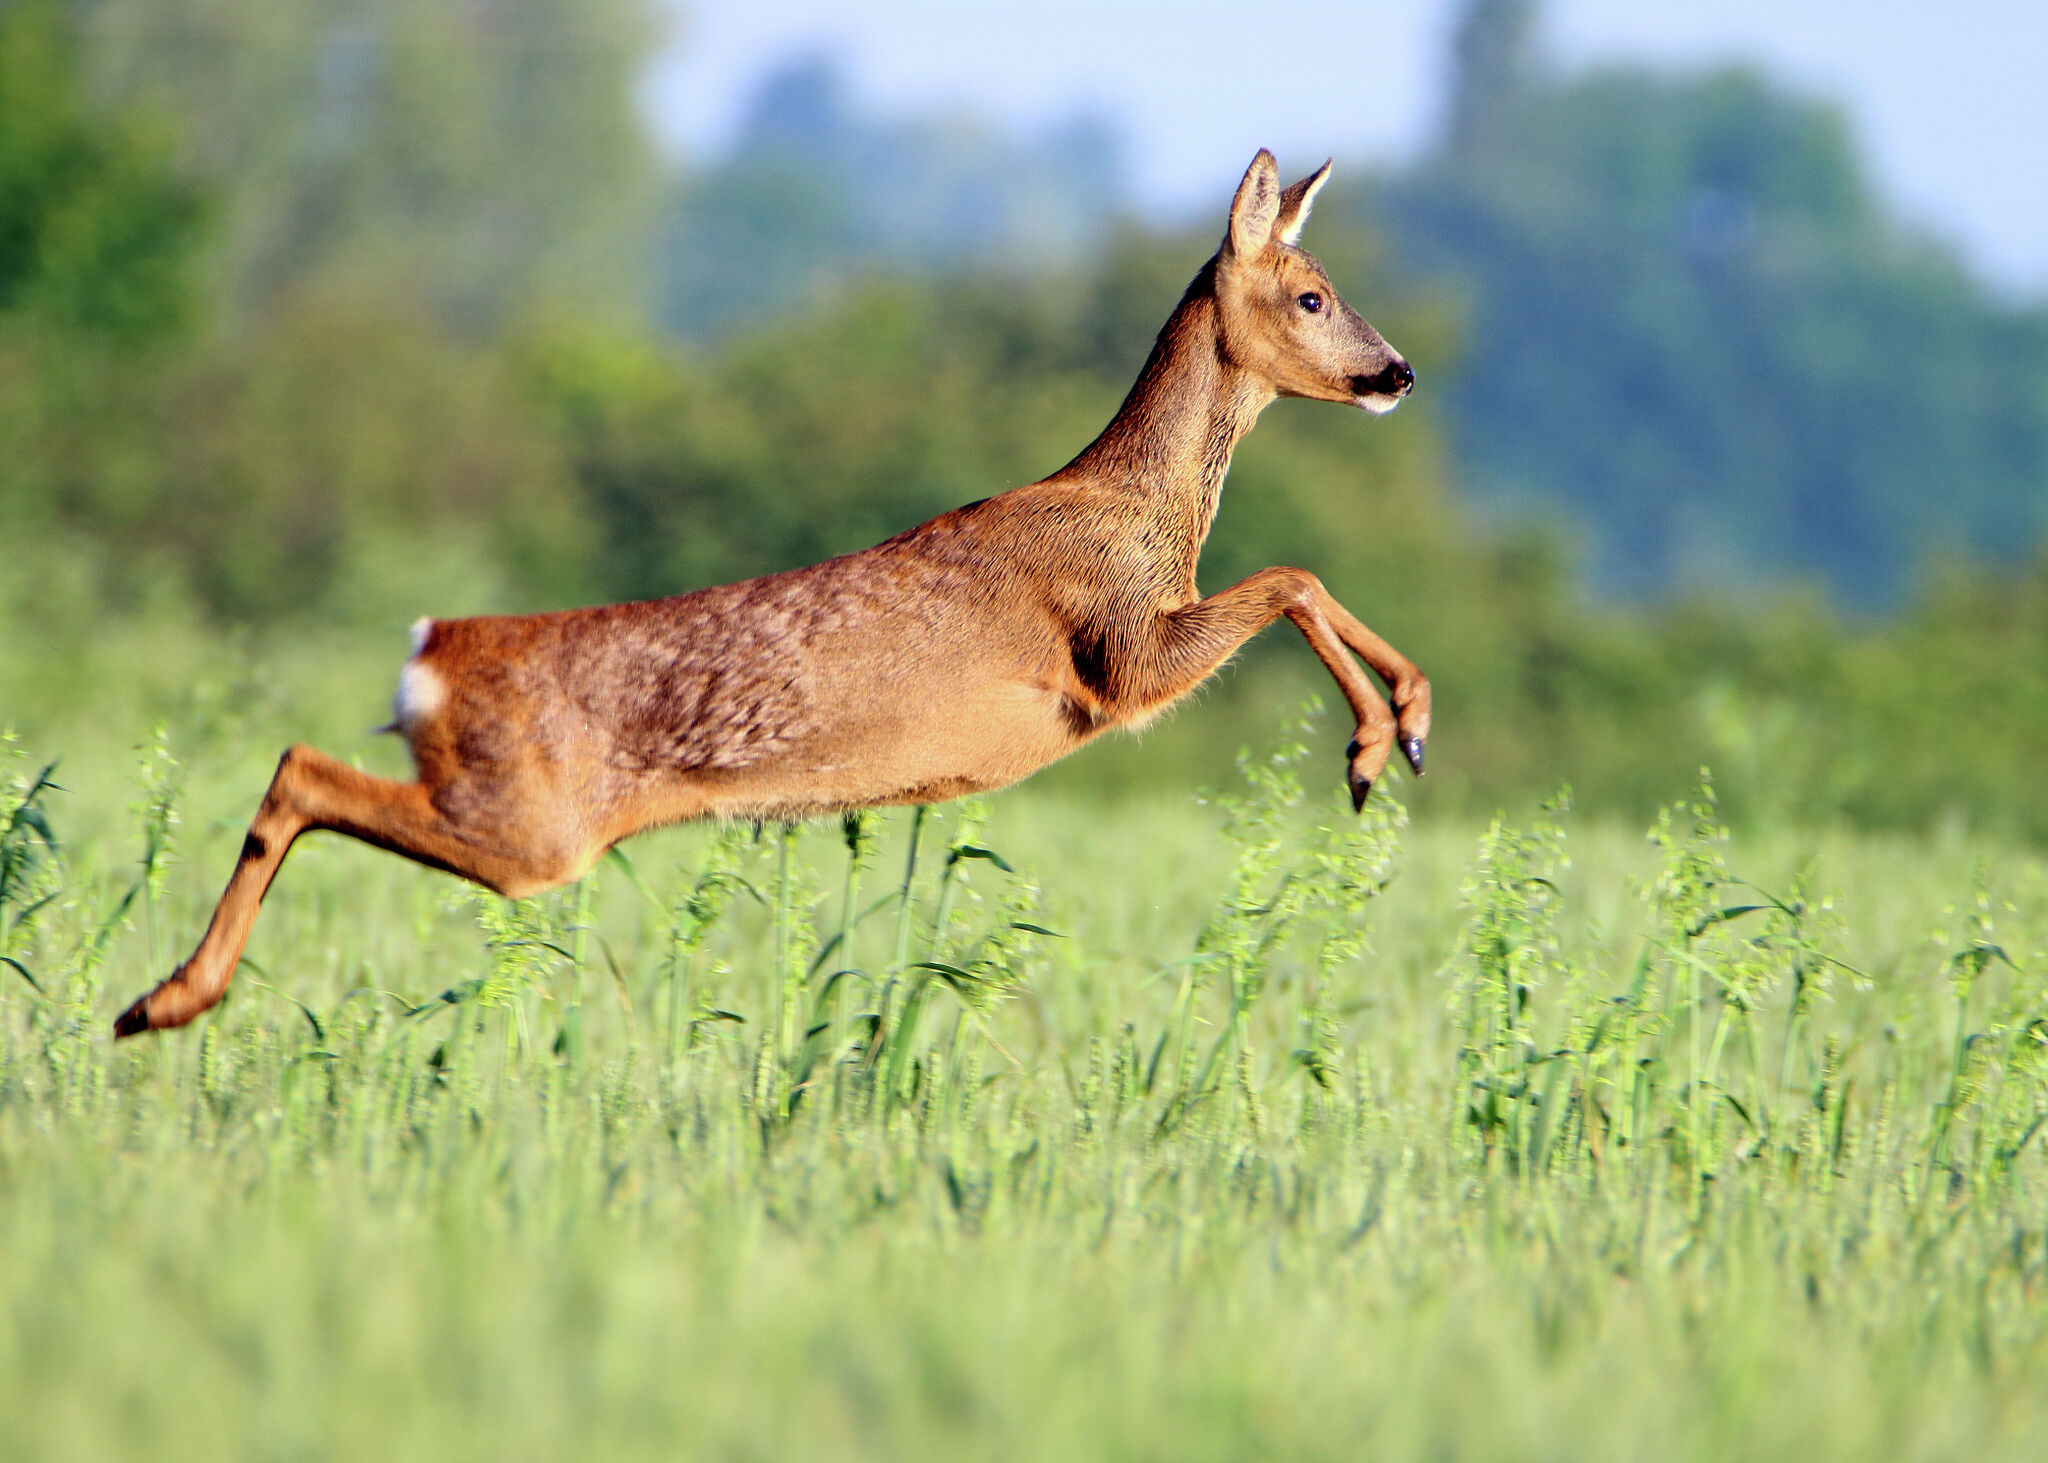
[{"x": 959, "y": 656}]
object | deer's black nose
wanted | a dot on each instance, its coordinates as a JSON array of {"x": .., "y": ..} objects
[{"x": 1395, "y": 380}]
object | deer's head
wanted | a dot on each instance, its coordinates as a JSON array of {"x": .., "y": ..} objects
[{"x": 1280, "y": 315}]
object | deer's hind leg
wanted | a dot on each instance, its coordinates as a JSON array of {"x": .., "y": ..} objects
[{"x": 314, "y": 791}]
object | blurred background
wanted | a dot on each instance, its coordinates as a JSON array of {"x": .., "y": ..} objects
[{"x": 1731, "y": 444}]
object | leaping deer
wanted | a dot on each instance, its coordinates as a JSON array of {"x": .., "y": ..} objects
[{"x": 960, "y": 656}]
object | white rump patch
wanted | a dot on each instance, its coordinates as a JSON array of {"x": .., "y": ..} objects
[
  {"x": 421, "y": 629},
  {"x": 420, "y": 693}
]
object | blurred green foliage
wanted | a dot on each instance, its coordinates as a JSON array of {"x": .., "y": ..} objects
[
  {"x": 1699, "y": 329},
  {"x": 468, "y": 160},
  {"x": 96, "y": 236},
  {"x": 230, "y": 406}
]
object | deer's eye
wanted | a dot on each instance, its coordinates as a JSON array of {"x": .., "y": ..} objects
[{"x": 1311, "y": 302}]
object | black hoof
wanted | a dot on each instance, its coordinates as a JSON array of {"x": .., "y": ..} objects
[
  {"x": 1413, "y": 747},
  {"x": 1361, "y": 787},
  {"x": 133, "y": 1021}
]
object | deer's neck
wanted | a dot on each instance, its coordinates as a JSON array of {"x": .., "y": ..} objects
[{"x": 1170, "y": 443}]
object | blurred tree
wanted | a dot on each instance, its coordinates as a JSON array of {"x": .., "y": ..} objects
[
  {"x": 100, "y": 243},
  {"x": 392, "y": 184},
  {"x": 98, "y": 235},
  {"x": 1491, "y": 60},
  {"x": 814, "y": 191},
  {"x": 476, "y": 158},
  {"x": 1697, "y": 329}
]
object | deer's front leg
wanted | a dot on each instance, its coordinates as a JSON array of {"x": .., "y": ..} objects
[
  {"x": 1407, "y": 686},
  {"x": 1191, "y": 643}
]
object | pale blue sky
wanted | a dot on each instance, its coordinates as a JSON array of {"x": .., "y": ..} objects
[{"x": 1951, "y": 100}]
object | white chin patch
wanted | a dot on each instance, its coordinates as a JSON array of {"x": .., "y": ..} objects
[{"x": 1377, "y": 404}]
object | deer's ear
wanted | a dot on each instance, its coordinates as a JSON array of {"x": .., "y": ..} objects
[
  {"x": 1296, "y": 202},
  {"x": 1255, "y": 208}
]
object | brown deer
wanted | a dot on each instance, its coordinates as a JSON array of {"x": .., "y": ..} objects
[{"x": 959, "y": 656}]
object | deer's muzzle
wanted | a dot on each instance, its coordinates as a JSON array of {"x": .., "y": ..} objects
[{"x": 1396, "y": 379}]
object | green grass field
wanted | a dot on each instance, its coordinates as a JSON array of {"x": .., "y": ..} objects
[{"x": 1155, "y": 1129}]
